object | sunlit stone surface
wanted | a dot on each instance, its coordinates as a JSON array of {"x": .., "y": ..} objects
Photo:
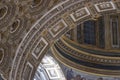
[{"x": 49, "y": 69}]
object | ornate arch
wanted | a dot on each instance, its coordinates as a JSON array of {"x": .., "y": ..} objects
[{"x": 51, "y": 26}]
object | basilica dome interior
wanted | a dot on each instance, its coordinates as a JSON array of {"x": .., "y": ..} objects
[{"x": 59, "y": 39}]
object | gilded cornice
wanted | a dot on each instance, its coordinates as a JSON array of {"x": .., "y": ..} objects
[{"x": 68, "y": 62}]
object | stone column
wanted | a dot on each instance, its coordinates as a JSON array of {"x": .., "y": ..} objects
[
  {"x": 119, "y": 28},
  {"x": 97, "y": 32},
  {"x": 107, "y": 32},
  {"x": 75, "y": 34}
]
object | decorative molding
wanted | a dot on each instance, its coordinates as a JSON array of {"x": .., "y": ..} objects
[
  {"x": 15, "y": 26},
  {"x": 82, "y": 68},
  {"x": 58, "y": 28},
  {"x": 45, "y": 22},
  {"x": 39, "y": 48},
  {"x": 52, "y": 70},
  {"x": 28, "y": 71},
  {"x": 105, "y": 6},
  {"x": 1, "y": 53},
  {"x": 6, "y": 9},
  {"x": 85, "y": 56},
  {"x": 80, "y": 14}
]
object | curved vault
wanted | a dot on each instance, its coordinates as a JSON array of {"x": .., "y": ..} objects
[{"x": 50, "y": 25}]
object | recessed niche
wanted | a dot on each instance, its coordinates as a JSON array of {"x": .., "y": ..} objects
[
  {"x": 1, "y": 54},
  {"x": 14, "y": 26},
  {"x": 3, "y": 12}
]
